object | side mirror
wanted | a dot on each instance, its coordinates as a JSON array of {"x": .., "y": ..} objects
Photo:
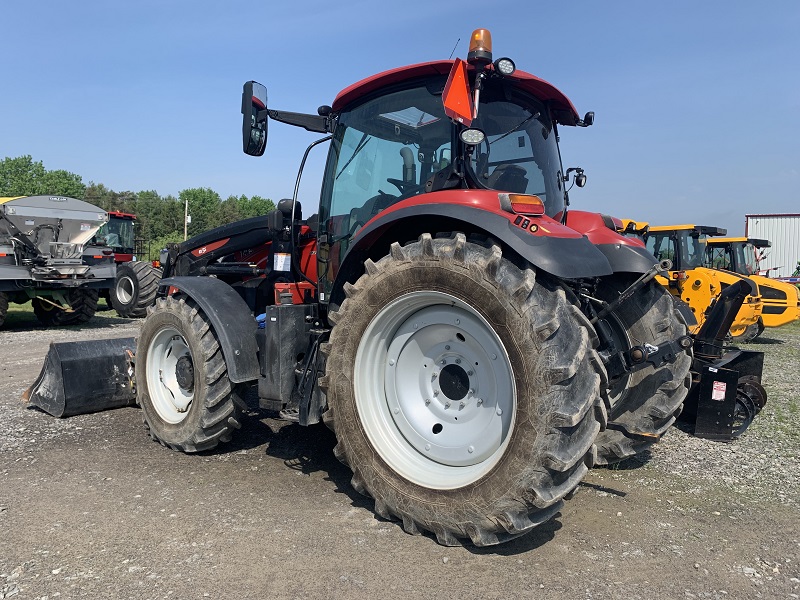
[{"x": 254, "y": 118}]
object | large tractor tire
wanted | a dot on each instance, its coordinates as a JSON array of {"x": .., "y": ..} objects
[
  {"x": 82, "y": 301},
  {"x": 188, "y": 403},
  {"x": 464, "y": 391},
  {"x": 135, "y": 288},
  {"x": 646, "y": 402},
  {"x": 3, "y": 307},
  {"x": 750, "y": 333}
]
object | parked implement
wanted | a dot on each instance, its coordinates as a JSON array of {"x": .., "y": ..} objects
[
  {"x": 137, "y": 280},
  {"x": 696, "y": 284},
  {"x": 474, "y": 346},
  {"x": 46, "y": 257},
  {"x": 740, "y": 255}
]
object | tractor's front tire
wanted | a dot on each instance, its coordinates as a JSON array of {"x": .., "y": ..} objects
[
  {"x": 645, "y": 402},
  {"x": 188, "y": 403},
  {"x": 464, "y": 391},
  {"x": 134, "y": 289},
  {"x": 82, "y": 301}
]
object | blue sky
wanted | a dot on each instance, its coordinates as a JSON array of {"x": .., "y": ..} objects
[{"x": 697, "y": 103}]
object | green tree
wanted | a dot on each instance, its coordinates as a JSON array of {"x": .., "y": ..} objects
[
  {"x": 203, "y": 204},
  {"x": 254, "y": 206},
  {"x": 22, "y": 176},
  {"x": 228, "y": 211}
]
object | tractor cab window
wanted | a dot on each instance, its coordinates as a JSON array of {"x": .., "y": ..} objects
[
  {"x": 520, "y": 153},
  {"x": 693, "y": 249},
  {"x": 382, "y": 151},
  {"x": 662, "y": 246},
  {"x": 747, "y": 257},
  {"x": 717, "y": 257},
  {"x": 117, "y": 234}
]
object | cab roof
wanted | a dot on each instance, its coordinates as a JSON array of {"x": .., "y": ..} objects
[
  {"x": 701, "y": 229},
  {"x": 758, "y": 243},
  {"x": 563, "y": 110}
]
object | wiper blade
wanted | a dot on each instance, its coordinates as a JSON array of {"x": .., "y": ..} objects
[{"x": 362, "y": 142}]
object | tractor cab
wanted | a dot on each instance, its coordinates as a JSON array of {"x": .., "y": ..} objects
[
  {"x": 118, "y": 235},
  {"x": 442, "y": 145}
]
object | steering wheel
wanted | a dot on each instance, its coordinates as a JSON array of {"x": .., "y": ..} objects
[
  {"x": 400, "y": 184},
  {"x": 406, "y": 187}
]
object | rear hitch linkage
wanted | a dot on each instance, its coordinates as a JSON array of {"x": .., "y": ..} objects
[{"x": 618, "y": 362}]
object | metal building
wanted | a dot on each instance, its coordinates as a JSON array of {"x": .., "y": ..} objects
[{"x": 783, "y": 231}]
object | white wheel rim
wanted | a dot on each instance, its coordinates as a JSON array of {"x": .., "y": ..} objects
[
  {"x": 170, "y": 399},
  {"x": 125, "y": 289},
  {"x": 434, "y": 388}
]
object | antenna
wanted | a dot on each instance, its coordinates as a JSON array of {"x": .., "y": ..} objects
[{"x": 454, "y": 48}]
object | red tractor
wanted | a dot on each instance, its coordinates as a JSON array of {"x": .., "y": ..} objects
[
  {"x": 475, "y": 346},
  {"x": 137, "y": 280}
]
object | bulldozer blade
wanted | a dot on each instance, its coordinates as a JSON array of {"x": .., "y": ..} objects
[{"x": 85, "y": 377}]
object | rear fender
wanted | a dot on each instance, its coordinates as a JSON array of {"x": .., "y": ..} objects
[
  {"x": 231, "y": 319},
  {"x": 552, "y": 248},
  {"x": 624, "y": 254}
]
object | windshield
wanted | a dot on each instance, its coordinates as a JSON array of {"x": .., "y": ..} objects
[
  {"x": 118, "y": 234},
  {"x": 520, "y": 153}
]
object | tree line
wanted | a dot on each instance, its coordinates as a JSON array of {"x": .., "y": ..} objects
[{"x": 159, "y": 219}]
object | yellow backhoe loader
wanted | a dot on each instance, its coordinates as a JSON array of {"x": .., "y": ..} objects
[
  {"x": 740, "y": 255},
  {"x": 696, "y": 284}
]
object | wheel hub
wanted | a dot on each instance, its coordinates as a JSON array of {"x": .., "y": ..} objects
[
  {"x": 454, "y": 382},
  {"x": 125, "y": 288},
  {"x": 184, "y": 373}
]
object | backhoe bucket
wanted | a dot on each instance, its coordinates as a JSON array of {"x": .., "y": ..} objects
[{"x": 85, "y": 377}]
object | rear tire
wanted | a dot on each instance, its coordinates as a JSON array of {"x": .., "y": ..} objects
[
  {"x": 188, "y": 403},
  {"x": 463, "y": 390},
  {"x": 649, "y": 400},
  {"x": 751, "y": 332},
  {"x": 135, "y": 288},
  {"x": 83, "y": 303}
]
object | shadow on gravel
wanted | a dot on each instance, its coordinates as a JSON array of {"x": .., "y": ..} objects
[
  {"x": 634, "y": 462},
  {"x": 310, "y": 450},
  {"x": 761, "y": 340},
  {"x": 22, "y": 320}
]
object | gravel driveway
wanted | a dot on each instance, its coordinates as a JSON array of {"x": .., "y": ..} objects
[{"x": 90, "y": 507}]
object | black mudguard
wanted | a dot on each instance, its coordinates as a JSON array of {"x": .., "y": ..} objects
[
  {"x": 231, "y": 319},
  {"x": 627, "y": 259}
]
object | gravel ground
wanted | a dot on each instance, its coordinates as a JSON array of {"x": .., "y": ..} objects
[{"x": 90, "y": 507}]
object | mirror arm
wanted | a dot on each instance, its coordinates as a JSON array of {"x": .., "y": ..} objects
[{"x": 315, "y": 123}]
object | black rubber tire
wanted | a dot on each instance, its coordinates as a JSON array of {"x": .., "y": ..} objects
[
  {"x": 135, "y": 288},
  {"x": 213, "y": 413},
  {"x": 83, "y": 302},
  {"x": 557, "y": 379},
  {"x": 751, "y": 332},
  {"x": 649, "y": 400},
  {"x": 3, "y": 307}
]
